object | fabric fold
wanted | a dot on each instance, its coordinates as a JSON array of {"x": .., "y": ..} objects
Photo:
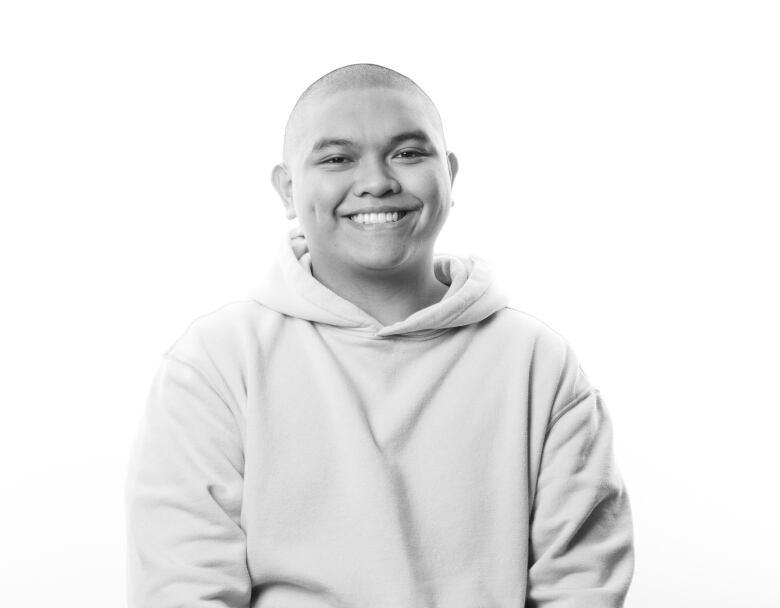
[{"x": 291, "y": 289}]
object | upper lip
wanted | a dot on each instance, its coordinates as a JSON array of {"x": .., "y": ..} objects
[{"x": 379, "y": 209}]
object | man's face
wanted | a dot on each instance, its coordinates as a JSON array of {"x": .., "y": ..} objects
[{"x": 369, "y": 179}]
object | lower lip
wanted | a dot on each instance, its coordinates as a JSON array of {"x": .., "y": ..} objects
[{"x": 381, "y": 225}]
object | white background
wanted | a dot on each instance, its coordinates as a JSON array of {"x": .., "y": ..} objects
[{"x": 619, "y": 168}]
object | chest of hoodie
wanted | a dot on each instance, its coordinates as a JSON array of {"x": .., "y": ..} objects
[
  {"x": 331, "y": 394},
  {"x": 347, "y": 433},
  {"x": 395, "y": 381}
]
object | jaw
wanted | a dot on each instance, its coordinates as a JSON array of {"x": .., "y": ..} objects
[
  {"x": 366, "y": 253},
  {"x": 380, "y": 251}
]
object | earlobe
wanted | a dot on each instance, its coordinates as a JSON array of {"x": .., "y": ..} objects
[
  {"x": 452, "y": 162},
  {"x": 282, "y": 182}
]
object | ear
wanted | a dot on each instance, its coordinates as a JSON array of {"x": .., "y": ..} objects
[
  {"x": 280, "y": 178},
  {"x": 452, "y": 162}
]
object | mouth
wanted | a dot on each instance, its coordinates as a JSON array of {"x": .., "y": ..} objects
[{"x": 370, "y": 219}]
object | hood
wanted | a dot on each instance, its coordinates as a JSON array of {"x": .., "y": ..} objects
[{"x": 290, "y": 288}]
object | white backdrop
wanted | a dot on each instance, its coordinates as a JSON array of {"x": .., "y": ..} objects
[{"x": 618, "y": 167}]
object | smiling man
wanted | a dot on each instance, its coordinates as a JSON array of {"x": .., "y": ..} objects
[
  {"x": 375, "y": 427},
  {"x": 367, "y": 172}
]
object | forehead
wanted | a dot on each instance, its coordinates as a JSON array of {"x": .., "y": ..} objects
[{"x": 366, "y": 115}]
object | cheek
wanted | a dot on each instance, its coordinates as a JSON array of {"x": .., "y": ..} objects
[
  {"x": 430, "y": 185},
  {"x": 320, "y": 196}
]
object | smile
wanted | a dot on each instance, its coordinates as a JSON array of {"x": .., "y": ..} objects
[{"x": 377, "y": 218}]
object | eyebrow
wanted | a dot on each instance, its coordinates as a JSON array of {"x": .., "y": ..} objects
[{"x": 416, "y": 134}]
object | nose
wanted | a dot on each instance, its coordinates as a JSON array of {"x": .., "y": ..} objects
[{"x": 374, "y": 178}]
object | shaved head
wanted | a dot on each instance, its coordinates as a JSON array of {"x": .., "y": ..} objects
[
  {"x": 351, "y": 77},
  {"x": 365, "y": 144}
]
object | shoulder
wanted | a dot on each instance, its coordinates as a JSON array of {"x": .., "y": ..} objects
[
  {"x": 522, "y": 328},
  {"x": 548, "y": 352},
  {"x": 223, "y": 345},
  {"x": 228, "y": 334}
]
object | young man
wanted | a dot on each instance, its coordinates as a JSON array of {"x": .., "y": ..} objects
[{"x": 375, "y": 427}]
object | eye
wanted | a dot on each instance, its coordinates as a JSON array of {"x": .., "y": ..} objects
[
  {"x": 335, "y": 160},
  {"x": 410, "y": 154}
]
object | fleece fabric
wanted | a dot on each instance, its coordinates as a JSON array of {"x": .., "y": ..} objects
[{"x": 295, "y": 453}]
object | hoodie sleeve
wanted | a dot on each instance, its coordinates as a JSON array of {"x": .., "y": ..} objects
[
  {"x": 183, "y": 493},
  {"x": 581, "y": 546}
]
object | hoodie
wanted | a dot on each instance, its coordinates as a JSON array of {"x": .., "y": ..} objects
[{"x": 295, "y": 453}]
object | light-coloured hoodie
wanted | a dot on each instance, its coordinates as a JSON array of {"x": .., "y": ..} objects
[{"x": 295, "y": 453}]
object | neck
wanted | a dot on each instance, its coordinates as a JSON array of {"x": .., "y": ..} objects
[{"x": 388, "y": 296}]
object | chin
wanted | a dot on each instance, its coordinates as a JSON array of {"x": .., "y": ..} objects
[{"x": 381, "y": 261}]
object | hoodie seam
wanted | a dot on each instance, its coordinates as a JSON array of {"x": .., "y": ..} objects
[
  {"x": 570, "y": 405},
  {"x": 316, "y": 303},
  {"x": 437, "y": 332},
  {"x": 226, "y": 402},
  {"x": 313, "y": 285},
  {"x": 413, "y": 338}
]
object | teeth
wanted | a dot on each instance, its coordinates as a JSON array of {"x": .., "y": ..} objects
[{"x": 375, "y": 218}]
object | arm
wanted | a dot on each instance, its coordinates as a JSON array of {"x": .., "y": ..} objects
[
  {"x": 186, "y": 547},
  {"x": 581, "y": 546}
]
